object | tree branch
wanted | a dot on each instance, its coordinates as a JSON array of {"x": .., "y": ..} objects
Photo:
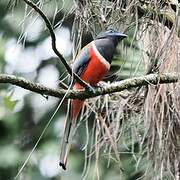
[
  {"x": 151, "y": 79},
  {"x": 53, "y": 39}
]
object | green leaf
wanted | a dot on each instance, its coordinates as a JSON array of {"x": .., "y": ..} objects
[{"x": 9, "y": 104}]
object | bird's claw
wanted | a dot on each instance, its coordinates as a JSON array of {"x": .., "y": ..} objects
[
  {"x": 90, "y": 89},
  {"x": 98, "y": 86}
]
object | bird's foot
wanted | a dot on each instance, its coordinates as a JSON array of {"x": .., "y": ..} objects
[
  {"x": 90, "y": 89},
  {"x": 100, "y": 85}
]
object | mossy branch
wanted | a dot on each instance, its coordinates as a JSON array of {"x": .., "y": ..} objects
[{"x": 151, "y": 79}]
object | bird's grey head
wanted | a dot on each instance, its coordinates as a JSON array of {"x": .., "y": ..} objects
[{"x": 111, "y": 34}]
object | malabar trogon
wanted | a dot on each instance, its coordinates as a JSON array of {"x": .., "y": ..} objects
[{"x": 91, "y": 64}]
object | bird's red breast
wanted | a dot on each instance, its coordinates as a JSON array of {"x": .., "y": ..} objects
[
  {"x": 96, "y": 69},
  {"x": 94, "y": 72}
]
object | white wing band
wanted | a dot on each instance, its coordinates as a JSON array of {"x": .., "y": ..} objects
[{"x": 100, "y": 57}]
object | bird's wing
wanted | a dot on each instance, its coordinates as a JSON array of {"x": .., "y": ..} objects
[{"x": 81, "y": 60}]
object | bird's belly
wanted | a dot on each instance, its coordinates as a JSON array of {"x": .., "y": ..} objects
[{"x": 94, "y": 72}]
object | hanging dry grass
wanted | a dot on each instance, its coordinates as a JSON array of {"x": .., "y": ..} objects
[{"x": 149, "y": 116}]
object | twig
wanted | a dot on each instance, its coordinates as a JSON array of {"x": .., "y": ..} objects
[
  {"x": 53, "y": 39},
  {"x": 108, "y": 89},
  {"x": 163, "y": 16}
]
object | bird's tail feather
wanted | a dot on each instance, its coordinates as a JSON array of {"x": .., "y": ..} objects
[
  {"x": 69, "y": 130},
  {"x": 66, "y": 141}
]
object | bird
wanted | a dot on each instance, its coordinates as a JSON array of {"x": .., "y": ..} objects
[{"x": 91, "y": 65}]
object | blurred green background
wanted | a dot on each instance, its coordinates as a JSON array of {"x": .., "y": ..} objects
[{"x": 25, "y": 50}]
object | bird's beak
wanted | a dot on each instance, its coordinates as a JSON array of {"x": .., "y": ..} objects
[{"x": 119, "y": 35}]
